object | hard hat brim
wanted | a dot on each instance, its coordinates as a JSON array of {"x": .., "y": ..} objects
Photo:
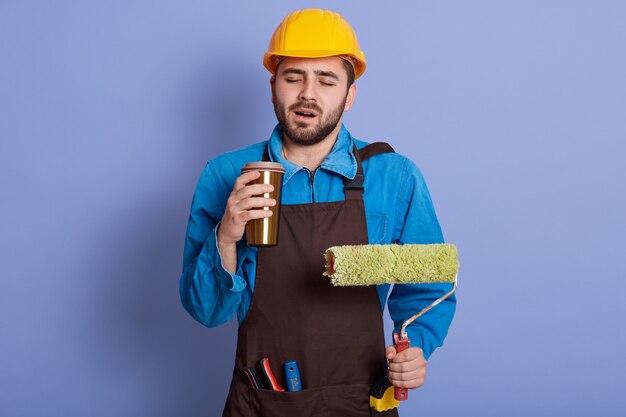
[{"x": 269, "y": 59}]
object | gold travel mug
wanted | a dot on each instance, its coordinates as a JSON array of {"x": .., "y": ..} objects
[{"x": 264, "y": 232}]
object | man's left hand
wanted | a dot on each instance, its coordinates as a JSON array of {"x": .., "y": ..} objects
[{"x": 407, "y": 369}]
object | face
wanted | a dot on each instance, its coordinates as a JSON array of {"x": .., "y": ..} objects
[{"x": 310, "y": 96}]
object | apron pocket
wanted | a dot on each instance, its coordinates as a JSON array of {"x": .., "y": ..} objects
[{"x": 339, "y": 400}]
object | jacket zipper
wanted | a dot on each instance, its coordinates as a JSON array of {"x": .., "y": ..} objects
[{"x": 311, "y": 178}]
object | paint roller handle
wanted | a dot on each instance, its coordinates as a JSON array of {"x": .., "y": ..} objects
[{"x": 400, "y": 344}]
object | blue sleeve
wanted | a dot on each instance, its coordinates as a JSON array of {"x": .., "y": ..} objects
[
  {"x": 417, "y": 223},
  {"x": 208, "y": 292}
]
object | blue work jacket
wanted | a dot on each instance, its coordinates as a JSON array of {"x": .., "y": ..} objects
[{"x": 398, "y": 210}]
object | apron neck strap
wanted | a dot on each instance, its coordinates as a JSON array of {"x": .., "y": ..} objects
[{"x": 354, "y": 188}]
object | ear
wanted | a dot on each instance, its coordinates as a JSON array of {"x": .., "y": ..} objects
[
  {"x": 272, "y": 87},
  {"x": 350, "y": 97}
]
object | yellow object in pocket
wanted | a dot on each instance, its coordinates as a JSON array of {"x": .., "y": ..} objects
[{"x": 382, "y": 396}]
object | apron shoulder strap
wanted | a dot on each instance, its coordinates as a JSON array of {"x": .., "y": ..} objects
[
  {"x": 354, "y": 188},
  {"x": 374, "y": 149},
  {"x": 266, "y": 154}
]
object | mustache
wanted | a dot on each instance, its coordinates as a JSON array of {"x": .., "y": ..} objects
[{"x": 306, "y": 105}]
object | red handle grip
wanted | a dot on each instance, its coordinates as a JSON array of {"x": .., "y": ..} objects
[{"x": 400, "y": 394}]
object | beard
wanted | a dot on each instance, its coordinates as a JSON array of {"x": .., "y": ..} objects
[{"x": 303, "y": 133}]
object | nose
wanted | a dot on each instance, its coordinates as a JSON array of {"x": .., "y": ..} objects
[{"x": 308, "y": 91}]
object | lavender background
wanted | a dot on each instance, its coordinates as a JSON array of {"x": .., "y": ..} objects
[{"x": 514, "y": 110}]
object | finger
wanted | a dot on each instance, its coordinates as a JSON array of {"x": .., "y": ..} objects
[
  {"x": 410, "y": 354},
  {"x": 252, "y": 190},
  {"x": 390, "y": 352},
  {"x": 400, "y": 359},
  {"x": 255, "y": 202},
  {"x": 246, "y": 216},
  {"x": 407, "y": 376},
  {"x": 245, "y": 178},
  {"x": 411, "y": 384},
  {"x": 406, "y": 366},
  {"x": 413, "y": 371}
]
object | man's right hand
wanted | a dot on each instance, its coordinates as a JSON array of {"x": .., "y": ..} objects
[{"x": 244, "y": 203}]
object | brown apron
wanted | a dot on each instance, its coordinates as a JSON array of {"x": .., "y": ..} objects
[{"x": 335, "y": 334}]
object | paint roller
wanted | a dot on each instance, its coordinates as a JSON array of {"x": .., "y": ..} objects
[{"x": 394, "y": 264}]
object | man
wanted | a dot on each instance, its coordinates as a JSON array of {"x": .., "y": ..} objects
[{"x": 333, "y": 194}]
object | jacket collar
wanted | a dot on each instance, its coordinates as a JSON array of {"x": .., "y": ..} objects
[{"x": 340, "y": 160}]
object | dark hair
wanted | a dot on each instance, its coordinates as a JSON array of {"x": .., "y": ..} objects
[{"x": 349, "y": 69}]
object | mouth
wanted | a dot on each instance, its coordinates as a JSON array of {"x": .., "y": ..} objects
[{"x": 304, "y": 114}]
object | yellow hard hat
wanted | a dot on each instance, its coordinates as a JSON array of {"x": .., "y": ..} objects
[{"x": 314, "y": 33}]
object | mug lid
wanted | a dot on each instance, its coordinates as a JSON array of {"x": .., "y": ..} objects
[{"x": 263, "y": 166}]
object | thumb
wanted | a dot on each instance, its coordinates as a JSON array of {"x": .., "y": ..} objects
[{"x": 390, "y": 352}]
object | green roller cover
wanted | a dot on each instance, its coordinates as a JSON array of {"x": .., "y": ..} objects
[{"x": 391, "y": 264}]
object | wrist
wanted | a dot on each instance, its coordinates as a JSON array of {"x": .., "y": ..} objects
[
  {"x": 224, "y": 247},
  {"x": 223, "y": 241},
  {"x": 228, "y": 253}
]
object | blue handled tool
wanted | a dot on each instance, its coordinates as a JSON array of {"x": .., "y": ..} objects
[{"x": 292, "y": 376}]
